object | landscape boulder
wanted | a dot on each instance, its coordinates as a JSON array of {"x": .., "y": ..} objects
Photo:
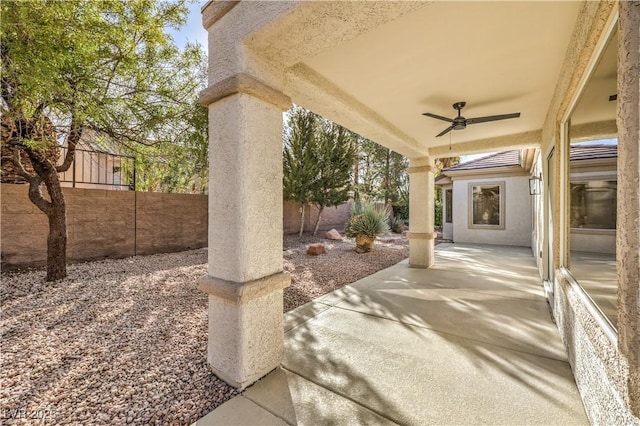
[
  {"x": 333, "y": 235},
  {"x": 315, "y": 249}
]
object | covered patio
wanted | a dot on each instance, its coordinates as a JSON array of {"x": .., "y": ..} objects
[
  {"x": 377, "y": 68},
  {"x": 467, "y": 341}
]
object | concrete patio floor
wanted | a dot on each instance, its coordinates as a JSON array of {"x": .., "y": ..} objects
[{"x": 468, "y": 341}]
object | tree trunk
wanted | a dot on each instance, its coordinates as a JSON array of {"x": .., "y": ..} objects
[
  {"x": 57, "y": 240},
  {"x": 44, "y": 162},
  {"x": 301, "y": 220},
  {"x": 315, "y": 230},
  {"x": 56, "y": 213}
]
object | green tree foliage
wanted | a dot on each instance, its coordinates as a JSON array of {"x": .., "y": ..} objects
[
  {"x": 300, "y": 166},
  {"x": 336, "y": 151},
  {"x": 380, "y": 175},
  {"x": 108, "y": 66},
  {"x": 176, "y": 166},
  {"x": 317, "y": 160}
]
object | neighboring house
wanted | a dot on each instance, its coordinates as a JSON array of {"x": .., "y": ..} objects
[
  {"x": 487, "y": 200},
  {"x": 98, "y": 165}
]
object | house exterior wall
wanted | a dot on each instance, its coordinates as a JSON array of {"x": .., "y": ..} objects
[
  {"x": 102, "y": 224},
  {"x": 607, "y": 383},
  {"x": 593, "y": 241},
  {"x": 517, "y": 217}
]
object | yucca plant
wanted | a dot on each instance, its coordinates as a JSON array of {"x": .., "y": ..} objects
[{"x": 365, "y": 224}]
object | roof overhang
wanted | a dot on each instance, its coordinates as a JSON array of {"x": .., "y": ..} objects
[{"x": 375, "y": 67}]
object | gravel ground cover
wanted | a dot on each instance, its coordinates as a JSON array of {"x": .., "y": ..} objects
[
  {"x": 124, "y": 341},
  {"x": 313, "y": 276}
]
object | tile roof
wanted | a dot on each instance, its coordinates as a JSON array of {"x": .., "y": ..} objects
[
  {"x": 512, "y": 158},
  {"x": 591, "y": 152},
  {"x": 499, "y": 159}
]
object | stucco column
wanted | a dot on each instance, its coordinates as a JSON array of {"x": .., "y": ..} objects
[
  {"x": 245, "y": 277},
  {"x": 421, "y": 213},
  {"x": 628, "y": 231}
]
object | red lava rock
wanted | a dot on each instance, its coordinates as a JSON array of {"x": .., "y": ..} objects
[{"x": 315, "y": 249}]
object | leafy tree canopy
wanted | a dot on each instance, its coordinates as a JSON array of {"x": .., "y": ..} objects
[
  {"x": 317, "y": 159},
  {"x": 108, "y": 66}
]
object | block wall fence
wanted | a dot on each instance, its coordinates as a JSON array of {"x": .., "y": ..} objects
[
  {"x": 115, "y": 224},
  {"x": 102, "y": 224},
  {"x": 332, "y": 217}
]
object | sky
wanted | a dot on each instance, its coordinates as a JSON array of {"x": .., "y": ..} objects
[{"x": 192, "y": 31}]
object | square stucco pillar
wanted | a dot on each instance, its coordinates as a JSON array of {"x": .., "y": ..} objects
[
  {"x": 421, "y": 214},
  {"x": 628, "y": 214},
  {"x": 245, "y": 279}
]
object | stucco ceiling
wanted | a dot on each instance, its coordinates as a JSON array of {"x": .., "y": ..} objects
[
  {"x": 499, "y": 57},
  {"x": 594, "y": 105}
]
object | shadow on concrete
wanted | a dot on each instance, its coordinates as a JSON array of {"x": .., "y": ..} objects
[{"x": 470, "y": 336}]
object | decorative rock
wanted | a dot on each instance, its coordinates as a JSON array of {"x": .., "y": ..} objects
[
  {"x": 316, "y": 249},
  {"x": 333, "y": 235}
]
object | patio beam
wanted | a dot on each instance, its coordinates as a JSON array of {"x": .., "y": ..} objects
[
  {"x": 311, "y": 90},
  {"x": 500, "y": 143},
  {"x": 598, "y": 130}
]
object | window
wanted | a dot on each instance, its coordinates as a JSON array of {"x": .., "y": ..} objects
[
  {"x": 486, "y": 203},
  {"x": 593, "y": 204},
  {"x": 448, "y": 203}
]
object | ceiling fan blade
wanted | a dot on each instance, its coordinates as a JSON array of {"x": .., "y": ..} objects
[
  {"x": 491, "y": 118},
  {"x": 439, "y": 117},
  {"x": 445, "y": 131}
]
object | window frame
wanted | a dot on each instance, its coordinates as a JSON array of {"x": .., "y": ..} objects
[
  {"x": 448, "y": 205},
  {"x": 502, "y": 204},
  {"x": 587, "y": 230}
]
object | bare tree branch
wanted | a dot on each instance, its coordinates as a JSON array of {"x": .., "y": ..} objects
[
  {"x": 35, "y": 191},
  {"x": 73, "y": 137},
  {"x": 15, "y": 160},
  {"x": 35, "y": 195}
]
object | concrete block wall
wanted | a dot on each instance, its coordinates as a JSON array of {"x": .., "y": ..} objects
[
  {"x": 102, "y": 224},
  {"x": 170, "y": 222},
  {"x": 332, "y": 217},
  {"x": 23, "y": 229}
]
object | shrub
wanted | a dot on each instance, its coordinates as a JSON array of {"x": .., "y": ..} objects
[
  {"x": 397, "y": 224},
  {"x": 401, "y": 211},
  {"x": 367, "y": 220},
  {"x": 437, "y": 213}
]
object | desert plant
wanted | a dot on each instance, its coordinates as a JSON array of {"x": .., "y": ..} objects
[
  {"x": 397, "y": 224},
  {"x": 365, "y": 224}
]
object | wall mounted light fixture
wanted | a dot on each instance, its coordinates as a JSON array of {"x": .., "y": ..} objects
[{"x": 535, "y": 184}]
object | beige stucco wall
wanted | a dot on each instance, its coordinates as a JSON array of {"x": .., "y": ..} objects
[
  {"x": 517, "y": 230},
  {"x": 102, "y": 224}
]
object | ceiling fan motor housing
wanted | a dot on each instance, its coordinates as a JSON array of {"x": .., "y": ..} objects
[{"x": 459, "y": 105}]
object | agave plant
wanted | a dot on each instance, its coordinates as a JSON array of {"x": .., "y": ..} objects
[{"x": 365, "y": 224}]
